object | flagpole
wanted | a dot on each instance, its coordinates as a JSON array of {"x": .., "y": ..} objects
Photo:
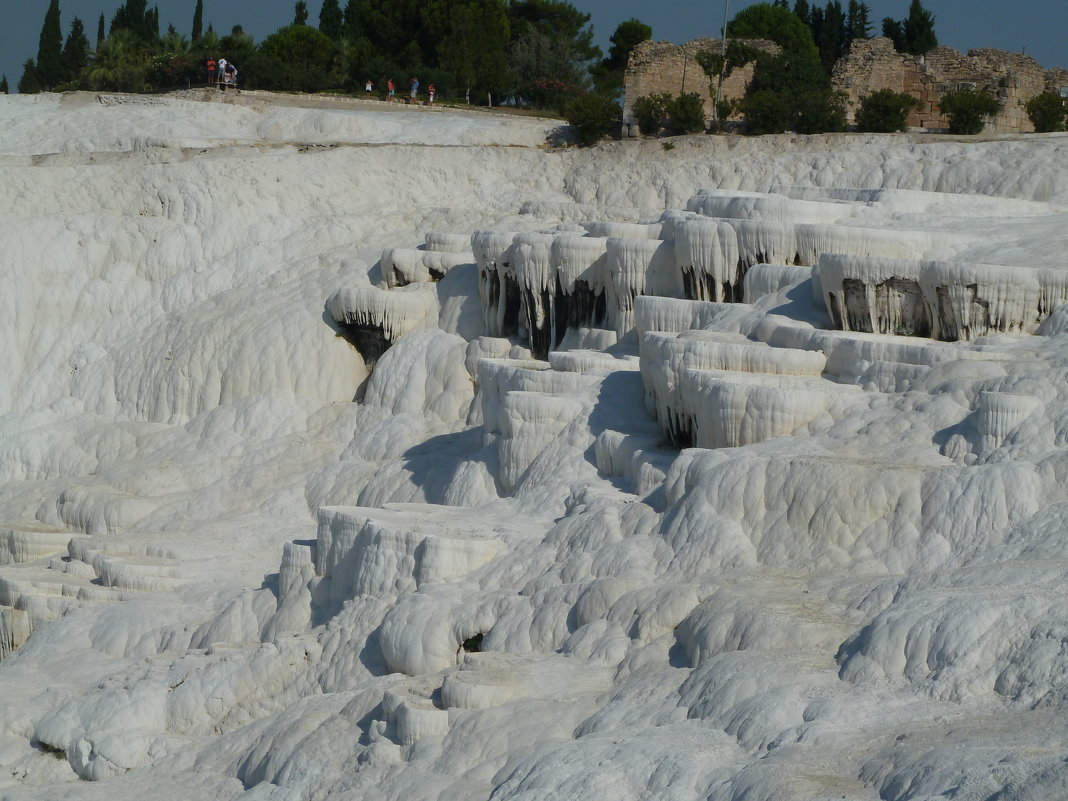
[{"x": 722, "y": 61}]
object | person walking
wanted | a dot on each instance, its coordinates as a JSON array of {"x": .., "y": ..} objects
[
  {"x": 222, "y": 72},
  {"x": 414, "y": 83},
  {"x": 211, "y": 70},
  {"x": 391, "y": 87},
  {"x": 430, "y": 90},
  {"x": 368, "y": 87}
]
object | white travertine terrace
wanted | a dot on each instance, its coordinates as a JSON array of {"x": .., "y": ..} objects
[
  {"x": 640, "y": 267},
  {"x": 402, "y": 266},
  {"x": 500, "y": 576},
  {"x": 771, "y": 208},
  {"x": 624, "y": 230},
  {"x": 667, "y": 359},
  {"x": 942, "y": 300},
  {"x": 496, "y": 280},
  {"x": 729, "y": 410}
]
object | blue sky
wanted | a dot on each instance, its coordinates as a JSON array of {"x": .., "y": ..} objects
[{"x": 1040, "y": 26}]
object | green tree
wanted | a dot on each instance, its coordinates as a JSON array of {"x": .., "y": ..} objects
[
  {"x": 608, "y": 75},
  {"x": 650, "y": 112},
  {"x": 593, "y": 115},
  {"x": 3, "y": 85},
  {"x": 122, "y": 63},
  {"x": 198, "y": 21},
  {"x": 919, "y": 29},
  {"x": 472, "y": 41},
  {"x": 894, "y": 30},
  {"x": 350, "y": 20},
  {"x": 136, "y": 17},
  {"x": 765, "y": 21},
  {"x": 28, "y": 83},
  {"x": 331, "y": 19},
  {"x": 833, "y": 38},
  {"x": 551, "y": 45},
  {"x": 802, "y": 12},
  {"x": 75, "y": 51},
  {"x": 50, "y": 71},
  {"x": 820, "y": 111},
  {"x": 686, "y": 114},
  {"x": 100, "y": 35},
  {"x": 885, "y": 111},
  {"x": 300, "y": 13},
  {"x": 858, "y": 22},
  {"x": 967, "y": 110},
  {"x": 305, "y": 52},
  {"x": 1047, "y": 112}
]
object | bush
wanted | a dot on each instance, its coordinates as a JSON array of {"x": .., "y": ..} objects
[
  {"x": 820, "y": 111},
  {"x": 885, "y": 111},
  {"x": 967, "y": 110},
  {"x": 1048, "y": 112},
  {"x": 687, "y": 114},
  {"x": 651, "y": 112},
  {"x": 768, "y": 112},
  {"x": 593, "y": 115}
]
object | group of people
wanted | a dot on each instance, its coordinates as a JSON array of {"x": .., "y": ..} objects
[
  {"x": 391, "y": 90},
  {"x": 223, "y": 73}
]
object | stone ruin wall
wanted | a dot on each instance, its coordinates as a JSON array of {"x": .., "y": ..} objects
[
  {"x": 871, "y": 65},
  {"x": 656, "y": 67}
]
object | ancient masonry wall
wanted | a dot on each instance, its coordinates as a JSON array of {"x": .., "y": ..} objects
[
  {"x": 657, "y": 67},
  {"x": 871, "y": 65}
]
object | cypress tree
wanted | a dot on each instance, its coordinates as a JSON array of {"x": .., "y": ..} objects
[
  {"x": 351, "y": 23},
  {"x": 75, "y": 51},
  {"x": 50, "y": 50},
  {"x": 300, "y": 13},
  {"x": 28, "y": 84},
  {"x": 330, "y": 19},
  {"x": 858, "y": 24},
  {"x": 100, "y": 32},
  {"x": 3, "y": 86},
  {"x": 919, "y": 29},
  {"x": 894, "y": 31},
  {"x": 801, "y": 9},
  {"x": 832, "y": 38},
  {"x": 198, "y": 20}
]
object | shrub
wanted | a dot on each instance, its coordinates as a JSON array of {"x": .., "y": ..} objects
[
  {"x": 651, "y": 112},
  {"x": 593, "y": 115},
  {"x": 820, "y": 111},
  {"x": 1048, "y": 112},
  {"x": 768, "y": 112},
  {"x": 967, "y": 110},
  {"x": 687, "y": 114},
  {"x": 885, "y": 111}
]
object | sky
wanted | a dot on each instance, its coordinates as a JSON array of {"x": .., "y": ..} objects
[{"x": 1038, "y": 27}]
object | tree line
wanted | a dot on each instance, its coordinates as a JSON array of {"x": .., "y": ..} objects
[{"x": 532, "y": 52}]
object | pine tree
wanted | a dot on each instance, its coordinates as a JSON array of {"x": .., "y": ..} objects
[
  {"x": 75, "y": 51},
  {"x": 919, "y": 29},
  {"x": 198, "y": 20},
  {"x": 300, "y": 13},
  {"x": 330, "y": 19},
  {"x": 50, "y": 50},
  {"x": 858, "y": 23},
  {"x": 3, "y": 86},
  {"x": 832, "y": 37},
  {"x": 801, "y": 9},
  {"x": 100, "y": 32},
  {"x": 351, "y": 24},
  {"x": 895, "y": 32},
  {"x": 28, "y": 84}
]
